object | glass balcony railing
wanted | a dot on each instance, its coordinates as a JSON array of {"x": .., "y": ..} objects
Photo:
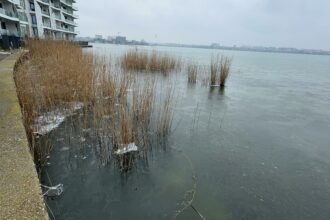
[
  {"x": 10, "y": 33},
  {"x": 47, "y": 24},
  {"x": 22, "y": 16},
  {"x": 45, "y": 1},
  {"x": 65, "y": 29},
  {"x": 8, "y": 13},
  {"x": 45, "y": 13},
  {"x": 57, "y": 16},
  {"x": 71, "y": 22}
]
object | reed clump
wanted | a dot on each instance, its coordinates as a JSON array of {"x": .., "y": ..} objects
[
  {"x": 134, "y": 60},
  {"x": 50, "y": 76},
  {"x": 219, "y": 70},
  {"x": 124, "y": 115},
  {"x": 153, "y": 62},
  {"x": 119, "y": 107},
  {"x": 166, "y": 114},
  {"x": 192, "y": 70},
  {"x": 224, "y": 70}
]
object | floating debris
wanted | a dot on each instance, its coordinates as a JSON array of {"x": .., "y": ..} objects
[
  {"x": 53, "y": 191},
  {"x": 87, "y": 130},
  {"x": 129, "y": 148},
  {"x": 64, "y": 149},
  {"x": 60, "y": 139}
]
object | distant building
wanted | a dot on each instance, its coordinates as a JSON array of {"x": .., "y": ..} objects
[
  {"x": 215, "y": 45},
  {"x": 98, "y": 37},
  {"x": 120, "y": 40}
]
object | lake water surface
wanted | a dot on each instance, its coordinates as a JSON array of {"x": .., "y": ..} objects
[{"x": 260, "y": 149}]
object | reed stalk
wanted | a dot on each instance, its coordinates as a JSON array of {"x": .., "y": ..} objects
[{"x": 192, "y": 70}]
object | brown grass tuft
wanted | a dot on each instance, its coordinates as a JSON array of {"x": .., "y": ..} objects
[
  {"x": 154, "y": 62},
  {"x": 52, "y": 75},
  {"x": 219, "y": 70},
  {"x": 224, "y": 70},
  {"x": 192, "y": 70},
  {"x": 119, "y": 107}
]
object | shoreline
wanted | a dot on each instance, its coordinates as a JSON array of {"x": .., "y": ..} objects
[{"x": 21, "y": 195}]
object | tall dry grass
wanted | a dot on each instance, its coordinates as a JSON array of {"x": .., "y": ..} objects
[
  {"x": 224, "y": 70},
  {"x": 166, "y": 114},
  {"x": 51, "y": 75},
  {"x": 153, "y": 62},
  {"x": 192, "y": 70},
  {"x": 118, "y": 106},
  {"x": 219, "y": 70}
]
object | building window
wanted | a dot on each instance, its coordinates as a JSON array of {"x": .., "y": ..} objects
[
  {"x": 34, "y": 19},
  {"x": 3, "y": 25},
  {"x": 32, "y": 6}
]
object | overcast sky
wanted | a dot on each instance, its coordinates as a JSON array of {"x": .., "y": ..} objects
[{"x": 287, "y": 23}]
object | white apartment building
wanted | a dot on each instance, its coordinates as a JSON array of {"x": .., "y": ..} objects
[{"x": 38, "y": 18}]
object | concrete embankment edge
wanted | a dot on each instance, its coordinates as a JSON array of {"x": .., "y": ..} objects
[{"x": 20, "y": 193}]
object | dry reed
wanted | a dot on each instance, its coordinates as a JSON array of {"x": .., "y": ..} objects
[
  {"x": 214, "y": 69},
  {"x": 118, "y": 107},
  {"x": 192, "y": 70},
  {"x": 154, "y": 62},
  {"x": 224, "y": 70},
  {"x": 219, "y": 70},
  {"x": 51, "y": 75},
  {"x": 166, "y": 114}
]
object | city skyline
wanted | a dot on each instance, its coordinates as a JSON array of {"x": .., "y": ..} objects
[{"x": 299, "y": 24}]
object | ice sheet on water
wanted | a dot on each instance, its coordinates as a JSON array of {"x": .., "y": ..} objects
[
  {"x": 50, "y": 120},
  {"x": 128, "y": 148}
]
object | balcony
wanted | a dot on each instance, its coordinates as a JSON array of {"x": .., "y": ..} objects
[
  {"x": 22, "y": 17},
  {"x": 10, "y": 33},
  {"x": 46, "y": 2},
  {"x": 22, "y": 3},
  {"x": 45, "y": 13},
  {"x": 47, "y": 24},
  {"x": 66, "y": 2},
  {"x": 71, "y": 22},
  {"x": 56, "y": 6},
  {"x": 70, "y": 13},
  {"x": 57, "y": 16},
  {"x": 69, "y": 30},
  {"x": 8, "y": 14},
  {"x": 69, "y": 4}
]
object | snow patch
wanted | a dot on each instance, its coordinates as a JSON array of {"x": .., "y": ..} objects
[
  {"x": 128, "y": 148},
  {"x": 51, "y": 120}
]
